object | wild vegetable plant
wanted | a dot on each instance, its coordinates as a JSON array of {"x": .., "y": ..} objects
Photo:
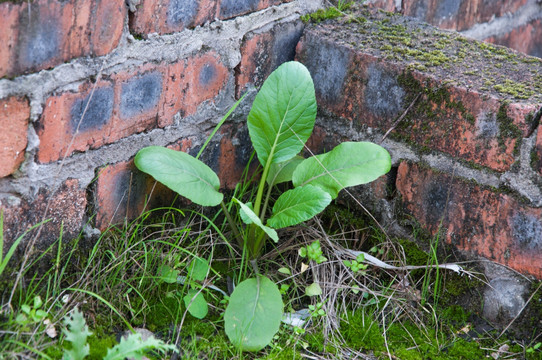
[{"x": 280, "y": 122}]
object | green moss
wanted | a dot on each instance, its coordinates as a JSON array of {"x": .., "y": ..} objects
[
  {"x": 316, "y": 341},
  {"x": 454, "y": 315},
  {"x": 516, "y": 89},
  {"x": 463, "y": 349},
  {"x": 283, "y": 354},
  {"x": 321, "y": 15},
  {"x": 100, "y": 341},
  {"x": 361, "y": 331},
  {"x": 507, "y": 129}
]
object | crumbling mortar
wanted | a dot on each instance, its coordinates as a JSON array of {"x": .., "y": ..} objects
[{"x": 524, "y": 180}]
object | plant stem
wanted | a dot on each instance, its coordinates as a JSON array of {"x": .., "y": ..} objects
[
  {"x": 259, "y": 194},
  {"x": 255, "y": 266},
  {"x": 266, "y": 202},
  {"x": 232, "y": 224}
]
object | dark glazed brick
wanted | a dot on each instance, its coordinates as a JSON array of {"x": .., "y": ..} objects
[
  {"x": 448, "y": 9},
  {"x": 286, "y": 39},
  {"x": 140, "y": 94},
  {"x": 208, "y": 74},
  {"x": 328, "y": 65},
  {"x": 264, "y": 50},
  {"x": 98, "y": 113},
  {"x": 231, "y": 8},
  {"x": 182, "y": 12},
  {"x": 436, "y": 201},
  {"x": 40, "y": 42},
  {"x": 383, "y": 95},
  {"x": 527, "y": 231}
]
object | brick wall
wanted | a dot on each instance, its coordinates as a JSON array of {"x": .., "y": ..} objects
[
  {"x": 466, "y": 155},
  {"x": 85, "y": 84}
]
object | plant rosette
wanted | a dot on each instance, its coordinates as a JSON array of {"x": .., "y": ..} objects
[{"x": 280, "y": 122}]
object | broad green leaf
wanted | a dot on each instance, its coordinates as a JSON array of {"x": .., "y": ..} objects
[
  {"x": 167, "y": 274},
  {"x": 348, "y": 164},
  {"x": 298, "y": 205},
  {"x": 247, "y": 212},
  {"x": 77, "y": 333},
  {"x": 313, "y": 290},
  {"x": 282, "y": 172},
  {"x": 196, "y": 304},
  {"x": 244, "y": 217},
  {"x": 181, "y": 173},
  {"x": 282, "y": 115},
  {"x": 253, "y": 314},
  {"x": 199, "y": 268},
  {"x": 135, "y": 347}
]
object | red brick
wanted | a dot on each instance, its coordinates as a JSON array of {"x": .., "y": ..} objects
[
  {"x": 124, "y": 193},
  {"x": 526, "y": 38},
  {"x": 66, "y": 209},
  {"x": 474, "y": 219},
  {"x": 168, "y": 16},
  {"x": 62, "y": 122},
  {"x": 8, "y": 37},
  {"x": 129, "y": 102},
  {"x": 262, "y": 51},
  {"x": 232, "y": 8},
  {"x": 369, "y": 81},
  {"x": 46, "y": 33},
  {"x": 191, "y": 82},
  {"x": 460, "y": 14},
  {"x": 107, "y": 26},
  {"x": 14, "y": 115},
  {"x": 205, "y": 76}
]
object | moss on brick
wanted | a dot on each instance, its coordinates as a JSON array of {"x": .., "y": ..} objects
[
  {"x": 502, "y": 72},
  {"x": 322, "y": 14},
  {"x": 507, "y": 129}
]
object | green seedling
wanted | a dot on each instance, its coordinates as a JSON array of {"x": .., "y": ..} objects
[
  {"x": 31, "y": 314},
  {"x": 533, "y": 348},
  {"x": 313, "y": 252},
  {"x": 280, "y": 121},
  {"x": 194, "y": 299},
  {"x": 317, "y": 310},
  {"x": 356, "y": 265}
]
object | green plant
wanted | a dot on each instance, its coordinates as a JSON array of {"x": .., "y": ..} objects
[
  {"x": 133, "y": 346},
  {"x": 535, "y": 347},
  {"x": 313, "y": 252},
  {"x": 280, "y": 121},
  {"x": 31, "y": 314},
  {"x": 317, "y": 310},
  {"x": 357, "y": 264}
]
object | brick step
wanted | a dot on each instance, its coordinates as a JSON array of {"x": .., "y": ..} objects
[{"x": 474, "y": 104}]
